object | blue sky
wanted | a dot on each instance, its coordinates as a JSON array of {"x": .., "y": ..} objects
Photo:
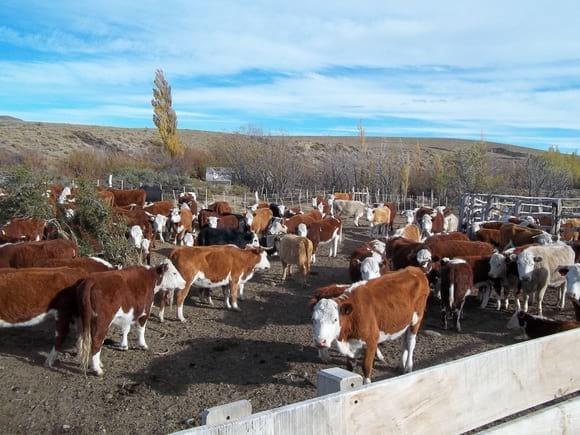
[{"x": 509, "y": 71}]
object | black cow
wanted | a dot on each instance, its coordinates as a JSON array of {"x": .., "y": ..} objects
[{"x": 215, "y": 236}]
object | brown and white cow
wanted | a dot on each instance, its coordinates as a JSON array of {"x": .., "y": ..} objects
[
  {"x": 161, "y": 207},
  {"x": 120, "y": 297},
  {"x": 367, "y": 314},
  {"x": 19, "y": 255},
  {"x": 182, "y": 220},
  {"x": 360, "y": 254},
  {"x": 29, "y": 296},
  {"x": 325, "y": 232},
  {"x": 22, "y": 230},
  {"x": 208, "y": 267},
  {"x": 456, "y": 285},
  {"x": 128, "y": 197},
  {"x": 410, "y": 232}
]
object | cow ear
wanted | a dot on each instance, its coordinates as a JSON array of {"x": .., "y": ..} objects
[
  {"x": 563, "y": 270},
  {"x": 537, "y": 259},
  {"x": 346, "y": 309}
]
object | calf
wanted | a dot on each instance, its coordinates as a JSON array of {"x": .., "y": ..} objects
[
  {"x": 128, "y": 197},
  {"x": 25, "y": 254},
  {"x": 294, "y": 250},
  {"x": 29, "y": 296},
  {"x": 385, "y": 308},
  {"x": 380, "y": 218},
  {"x": 343, "y": 208},
  {"x": 120, "y": 297},
  {"x": 537, "y": 326},
  {"x": 182, "y": 219},
  {"x": 212, "y": 236},
  {"x": 538, "y": 270},
  {"x": 208, "y": 267},
  {"x": 359, "y": 255},
  {"x": 504, "y": 274},
  {"x": 22, "y": 230},
  {"x": 456, "y": 285}
]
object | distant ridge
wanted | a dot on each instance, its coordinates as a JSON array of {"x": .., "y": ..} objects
[
  {"x": 5, "y": 119},
  {"x": 55, "y": 141}
]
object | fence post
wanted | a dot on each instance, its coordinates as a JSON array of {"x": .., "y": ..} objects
[{"x": 556, "y": 216}]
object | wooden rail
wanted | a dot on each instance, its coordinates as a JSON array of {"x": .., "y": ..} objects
[{"x": 454, "y": 397}]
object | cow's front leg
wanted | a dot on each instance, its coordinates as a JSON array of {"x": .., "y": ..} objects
[
  {"x": 369, "y": 360},
  {"x": 234, "y": 288},
  {"x": 141, "y": 323}
]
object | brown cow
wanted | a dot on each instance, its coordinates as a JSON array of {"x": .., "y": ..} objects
[
  {"x": 107, "y": 198},
  {"x": 455, "y": 235},
  {"x": 204, "y": 215},
  {"x": 24, "y": 254},
  {"x": 120, "y": 297},
  {"x": 29, "y": 296},
  {"x": 292, "y": 223},
  {"x": 516, "y": 235},
  {"x": 208, "y": 267},
  {"x": 22, "y": 230},
  {"x": 89, "y": 264},
  {"x": 127, "y": 197},
  {"x": 342, "y": 195},
  {"x": 367, "y": 314},
  {"x": 183, "y": 221},
  {"x": 220, "y": 207},
  {"x": 410, "y": 232},
  {"x": 456, "y": 285}
]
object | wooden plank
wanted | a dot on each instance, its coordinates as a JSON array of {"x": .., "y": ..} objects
[
  {"x": 449, "y": 398},
  {"x": 563, "y": 418}
]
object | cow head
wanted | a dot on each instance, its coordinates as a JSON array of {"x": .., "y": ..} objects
[
  {"x": 320, "y": 208},
  {"x": 497, "y": 265},
  {"x": 64, "y": 194},
  {"x": 253, "y": 240},
  {"x": 369, "y": 214},
  {"x": 171, "y": 279},
  {"x": 277, "y": 227},
  {"x": 212, "y": 221},
  {"x": 136, "y": 236},
  {"x": 159, "y": 223},
  {"x": 424, "y": 259},
  {"x": 302, "y": 230},
  {"x": 314, "y": 202},
  {"x": 426, "y": 224},
  {"x": 409, "y": 216},
  {"x": 263, "y": 264},
  {"x": 254, "y": 207},
  {"x": 526, "y": 264},
  {"x": 175, "y": 216},
  {"x": 282, "y": 210},
  {"x": 249, "y": 218},
  {"x": 572, "y": 274},
  {"x": 543, "y": 239},
  {"x": 188, "y": 239},
  {"x": 371, "y": 267},
  {"x": 325, "y": 323}
]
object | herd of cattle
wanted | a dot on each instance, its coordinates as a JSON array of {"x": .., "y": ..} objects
[{"x": 393, "y": 276}]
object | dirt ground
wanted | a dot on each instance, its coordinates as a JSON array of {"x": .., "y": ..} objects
[{"x": 264, "y": 354}]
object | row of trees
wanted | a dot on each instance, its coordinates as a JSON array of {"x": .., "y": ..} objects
[{"x": 272, "y": 163}]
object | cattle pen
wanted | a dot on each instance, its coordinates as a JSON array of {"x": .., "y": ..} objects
[
  {"x": 477, "y": 207},
  {"x": 521, "y": 388}
]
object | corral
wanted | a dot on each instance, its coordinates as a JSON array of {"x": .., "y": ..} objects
[{"x": 263, "y": 354}]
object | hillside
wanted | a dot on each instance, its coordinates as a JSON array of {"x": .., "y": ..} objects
[{"x": 55, "y": 141}]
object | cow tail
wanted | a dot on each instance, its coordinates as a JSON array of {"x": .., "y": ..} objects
[{"x": 86, "y": 311}]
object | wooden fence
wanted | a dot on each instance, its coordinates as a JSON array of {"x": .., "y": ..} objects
[
  {"x": 454, "y": 397},
  {"x": 477, "y": 207}
]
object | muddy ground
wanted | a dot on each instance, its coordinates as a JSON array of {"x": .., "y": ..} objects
[{"x": 263, "y": 354}]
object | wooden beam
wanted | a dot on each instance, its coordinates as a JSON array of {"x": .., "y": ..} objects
[
  {"x": 563, "y": 418},
  {"x": 454, "y": 397}
]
